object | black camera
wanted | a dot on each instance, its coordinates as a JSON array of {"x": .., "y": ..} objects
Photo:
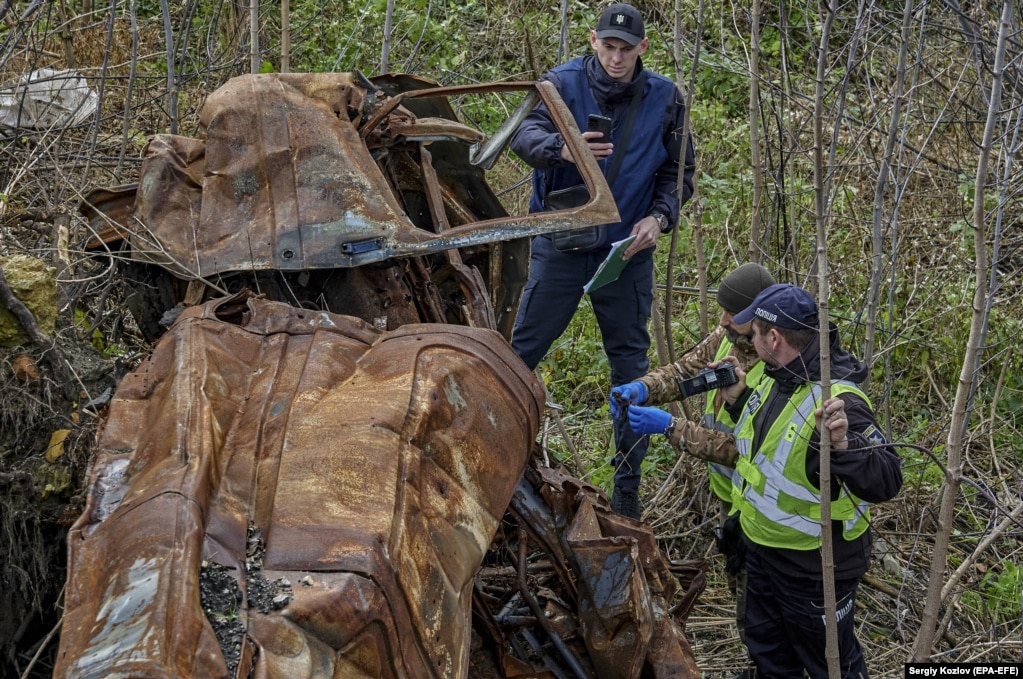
[{"x": 707, "y": 379}]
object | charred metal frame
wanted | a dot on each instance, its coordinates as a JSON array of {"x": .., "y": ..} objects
[{"x": 108, "y": 210}]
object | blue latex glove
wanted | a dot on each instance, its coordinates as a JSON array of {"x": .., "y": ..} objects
[
  {"x": 648, "y": 420},
  {"x": 631, "y": 393}
]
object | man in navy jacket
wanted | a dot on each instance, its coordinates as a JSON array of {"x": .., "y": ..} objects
[{"x": 646, "y": 191}]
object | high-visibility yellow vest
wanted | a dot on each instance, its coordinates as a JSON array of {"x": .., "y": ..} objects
[
  {"x": 722, "y": 478},
  {"x": 778, "y": 505}
]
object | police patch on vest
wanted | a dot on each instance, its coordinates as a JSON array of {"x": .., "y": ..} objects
[
  {"x": 753, "y": 403},
  {"x": 874, "y": 435}
]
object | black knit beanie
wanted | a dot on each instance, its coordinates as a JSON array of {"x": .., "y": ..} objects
[{"x": 739, "y": 288}]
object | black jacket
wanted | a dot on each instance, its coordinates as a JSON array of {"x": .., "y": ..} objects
[{"x": 870, "y": 467}]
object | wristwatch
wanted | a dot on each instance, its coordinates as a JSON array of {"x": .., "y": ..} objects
[
  {"x": 669, "y": 431},
  {"x": 662, "y": 221}
]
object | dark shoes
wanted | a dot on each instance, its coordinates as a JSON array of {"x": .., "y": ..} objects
[{"x": 626, "y": 503}]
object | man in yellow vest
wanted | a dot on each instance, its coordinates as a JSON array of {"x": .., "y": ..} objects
[{"x": 778, "y": 427}]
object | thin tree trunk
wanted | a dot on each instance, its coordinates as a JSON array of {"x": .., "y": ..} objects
[
  {"x": 876, "y": 243},
  {"x": 104, "y": 71},
  {"x": 821, "y": 180},
  {"x": 385, "y": 48},
  {"x": 661, "y": 322},
  {"x": 924, "y": 644},
  {"x": 755, "y": 249},
  {"x": 65, "y": 35},
  {"x": 563, "y": 51},
  {"x": 286, "y": 35},
  {"x": 60, "y": 257},
  {"x": 132, "y": 72},
  {"x": 253, "y": 36},
  {"x": 172, "y": 83},
  {"x": 787, "y": 147},
  {"x": 698, "y": 241},
  {"x": 665, "y": 345}
]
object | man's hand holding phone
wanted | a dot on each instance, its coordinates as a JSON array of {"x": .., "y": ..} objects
[
  {"x": 600, "y": 124},
  {"x": 598, "y": 136}
]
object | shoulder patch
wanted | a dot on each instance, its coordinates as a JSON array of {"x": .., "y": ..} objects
[{"x": 874, "y": 435}]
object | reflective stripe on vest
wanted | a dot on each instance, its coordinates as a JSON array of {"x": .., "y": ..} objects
[{"x": 767, "y": 490}]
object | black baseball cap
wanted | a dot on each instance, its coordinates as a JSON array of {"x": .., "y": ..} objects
[{"x": 622, "y": 21}]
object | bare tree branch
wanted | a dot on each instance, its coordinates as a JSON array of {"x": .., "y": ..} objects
[{"x": 924, "y": 645}]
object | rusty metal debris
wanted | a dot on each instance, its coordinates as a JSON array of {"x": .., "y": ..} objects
[
  {"x": 324, "y": 171},
  {"x": 354, "y": 442},
  {"x": 314, "y": 188},
  {"x": 608, "y": 590},
  {"x": 377, "y": 465}
]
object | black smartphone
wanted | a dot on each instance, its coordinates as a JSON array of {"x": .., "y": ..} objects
[{"x": 600, "y": 124}]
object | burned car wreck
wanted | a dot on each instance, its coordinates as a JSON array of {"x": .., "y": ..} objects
[{"x": 326, "y": 466}]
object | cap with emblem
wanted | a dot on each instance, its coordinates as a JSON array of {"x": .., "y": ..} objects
[
  {"x": 782, "y": 304},
  {"x": 621, "y": 21}
]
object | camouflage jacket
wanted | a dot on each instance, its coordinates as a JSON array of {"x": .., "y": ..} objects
[{"x": 662, "y": 387}]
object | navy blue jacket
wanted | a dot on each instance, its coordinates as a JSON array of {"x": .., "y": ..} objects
[{"x": 647, "y": 179}]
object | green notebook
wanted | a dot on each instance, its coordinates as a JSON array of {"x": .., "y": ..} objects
[{"x": 611, "y": 267}]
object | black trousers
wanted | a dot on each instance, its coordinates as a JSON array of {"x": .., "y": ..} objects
[
  {"x": 622, "y": 309},
  {"x": 784, "y": 623}
]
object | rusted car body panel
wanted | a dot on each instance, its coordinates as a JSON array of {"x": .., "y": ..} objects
[
  {"x": 309, "y": 178},
  {"x": 321, "y": 181},
  {"x": 376, "y": 465}
]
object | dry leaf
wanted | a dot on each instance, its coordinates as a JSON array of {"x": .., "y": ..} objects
[
  {"x": 25, "y": 369},
  {"x": 56, "y": 447}
]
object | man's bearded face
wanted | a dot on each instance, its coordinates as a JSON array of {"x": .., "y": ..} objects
[{"x": 737, "y": 338}]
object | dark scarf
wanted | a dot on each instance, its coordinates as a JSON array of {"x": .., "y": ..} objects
[{"x": 613, "y": 96}]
